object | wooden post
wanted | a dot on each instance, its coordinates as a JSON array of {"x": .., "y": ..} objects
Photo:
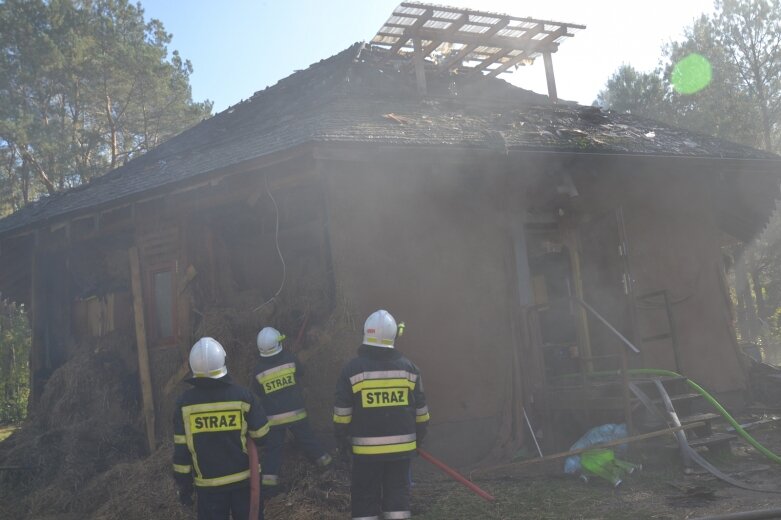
[
  {"x": 35, "y": 363},
  {"x": 609, "y": 444},
  {"x": 143, "y": 354},
  {"x": 625, "y": 392},
  {"x": 570, "y": 238},
  {"x": 546, "y": 58},
  {"x": 420, "y": 68}
]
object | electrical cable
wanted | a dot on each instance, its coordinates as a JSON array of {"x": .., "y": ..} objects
[{"x": 276, "y": 243}]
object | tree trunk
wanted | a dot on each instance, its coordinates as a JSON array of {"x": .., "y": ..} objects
[{"x": 112, "y": 134}]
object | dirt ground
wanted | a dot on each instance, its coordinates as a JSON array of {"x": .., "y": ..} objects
[
  {"x": 660, "y": 491},
  {"x": 143, "y": 489},
  {"x": 82, "y": 457}
]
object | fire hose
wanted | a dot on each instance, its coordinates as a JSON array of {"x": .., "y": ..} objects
[
  {"x": 254, "y": 479},
  {"x": 719, "y": 408},
  {"x": 455, "y": 475}
]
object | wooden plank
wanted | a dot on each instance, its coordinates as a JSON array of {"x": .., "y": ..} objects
[
  {"x": 491, "y": 40},
  {"x": 490, "y": 60},
  {"x": 520, "y": 57},
  {"x": 454, "y": 26},
  {"x": 143, "y": 354},
  {"x": 461, "y": 54},
  {"x": 485, "y": 14},
  {"x": 412, "y": 31},
  {"x": 531, "y": 50},
  {"x": 177, "y": 378},
  {"x": 35, "y": 354},
  {"x": 617, "y": 442}
]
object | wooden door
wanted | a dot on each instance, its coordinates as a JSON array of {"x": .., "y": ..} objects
[{"x": 607, "y": 284}]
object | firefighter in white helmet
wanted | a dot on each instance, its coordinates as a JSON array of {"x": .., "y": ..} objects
[
  {"x": 277, "y": 380},
  {"x": 210, "y": 421},
  {"x": 381, "y": 417}
]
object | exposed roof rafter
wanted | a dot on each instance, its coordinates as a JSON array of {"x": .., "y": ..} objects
[{"x": 489, "y": 42}]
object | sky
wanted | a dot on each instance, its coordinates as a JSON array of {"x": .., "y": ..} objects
[{"x": 238, "y": 47}]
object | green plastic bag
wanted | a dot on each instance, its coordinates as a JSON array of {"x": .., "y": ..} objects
[{"x": 604, "y": 464}]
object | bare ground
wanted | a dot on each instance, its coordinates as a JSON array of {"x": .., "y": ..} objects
[
  {"x": 660, "y": 491},
  {"x": 143, "y": 489}
]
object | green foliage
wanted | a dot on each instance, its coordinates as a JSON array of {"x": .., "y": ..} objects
[
  {"x": 741, "y": 43},
  {"x": 15, "y": 340},
  {"x": 84, "y": 86},
  {"x": 640, "y": 93}
]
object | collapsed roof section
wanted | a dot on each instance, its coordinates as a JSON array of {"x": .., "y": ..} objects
[
  {"x": 360, "y": 97},
  {"x": 470, "y": 41}
]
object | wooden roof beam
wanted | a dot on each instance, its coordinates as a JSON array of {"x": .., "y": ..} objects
[
  {"x": 412, "y": 31},
  {"x": 491, "y": 40},
  {"x": 506, "y": 65},
  {"x": 469, "y": 47},
  {"x": 493, "y": 58},
  {"x": 454, "y": 26},
  {"x": 517, "y": 59},
  {"x": 485, "y": 14}
]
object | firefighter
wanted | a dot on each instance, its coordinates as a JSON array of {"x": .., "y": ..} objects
[
  {"x": 211, "y": 424},
  {"x": 277, "y": 383},
  {"x": 380, "y": 417}
]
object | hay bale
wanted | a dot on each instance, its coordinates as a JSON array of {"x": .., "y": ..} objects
[
  {"x": 86, "y": 442},
  {"x": 141, "y": 489},
  {"x": 312, "y": 494}
]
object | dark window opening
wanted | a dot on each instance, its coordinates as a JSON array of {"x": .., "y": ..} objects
[{"x": 163, "y": 305}]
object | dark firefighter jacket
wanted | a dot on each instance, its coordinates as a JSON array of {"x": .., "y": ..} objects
[
  {"x": 380, "y": 404},
  {"x": 276, "y": 382},
  {"x": 211, "y": 424}
]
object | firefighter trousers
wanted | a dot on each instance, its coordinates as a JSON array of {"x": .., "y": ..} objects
[
  {"x": 222, "y": 505},
  {"x": 380, "y": 489},
  {"x": 274, "y": 450}
]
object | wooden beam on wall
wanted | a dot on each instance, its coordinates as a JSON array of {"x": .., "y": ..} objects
[
  {"x": 143, "y": 353},
  {"x": 35, "y": 356}
]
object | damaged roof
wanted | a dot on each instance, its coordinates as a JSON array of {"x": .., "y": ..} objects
[{"x": 364, "y": 96}]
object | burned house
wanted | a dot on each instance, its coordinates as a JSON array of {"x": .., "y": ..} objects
[{"x": 521, "y": 238}]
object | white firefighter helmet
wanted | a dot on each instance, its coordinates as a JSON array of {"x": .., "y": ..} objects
[
  {"x": 380, "y": 329},
  {"x": 207, "y": 359},
  {"x": 269, "y": 341}
]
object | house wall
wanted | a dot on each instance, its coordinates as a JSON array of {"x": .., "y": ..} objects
[
  {"x": 428, "y": 242},
  {"x": 674, "y": 243}
]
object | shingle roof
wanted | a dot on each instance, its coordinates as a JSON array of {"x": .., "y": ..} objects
[{"x": 360, "y": 96}]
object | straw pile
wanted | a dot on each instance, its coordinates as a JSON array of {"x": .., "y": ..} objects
[
  {"x": 86, "y": 422},
  {"x": 84, "y": 446}
]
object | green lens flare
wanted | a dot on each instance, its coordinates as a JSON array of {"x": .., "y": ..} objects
[{"x": 691, "y": 74}]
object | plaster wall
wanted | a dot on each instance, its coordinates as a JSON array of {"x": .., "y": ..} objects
[
  {"x": 674, "y": 243},
  {"x": 429, "y": 244}
]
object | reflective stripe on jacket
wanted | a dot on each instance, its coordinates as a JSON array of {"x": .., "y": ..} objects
[
  {"x": 276, "y": 383},
  {"x": 211, "y": 425},
  {"x": 380, "y": 403}
]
